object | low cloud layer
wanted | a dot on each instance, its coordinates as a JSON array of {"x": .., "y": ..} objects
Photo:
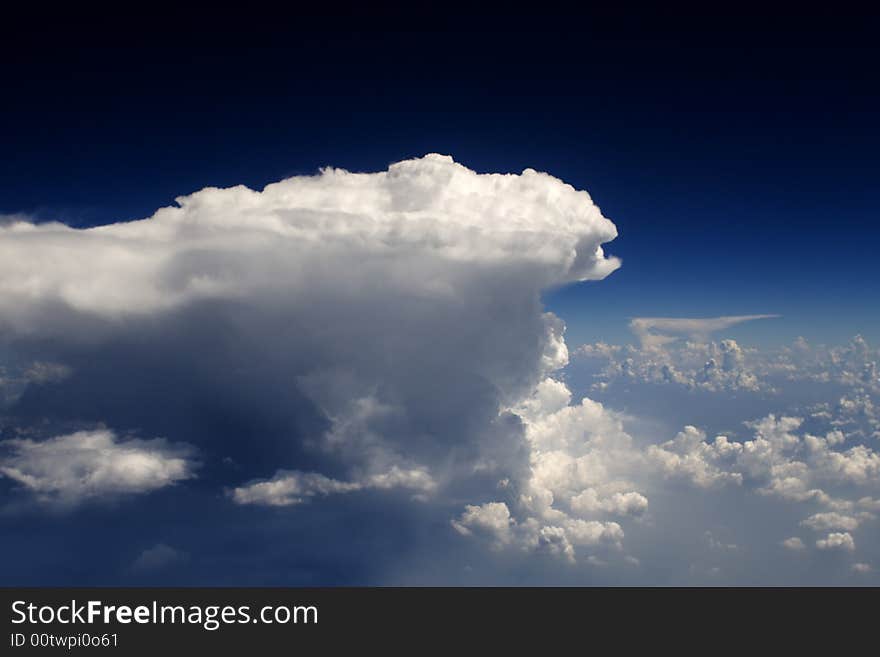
[
  {"x": 796, "y": 426},
  {"x": 725, "y": 365}
]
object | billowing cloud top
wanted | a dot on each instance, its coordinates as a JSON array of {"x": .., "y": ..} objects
[{"x": 402, "y": 223}]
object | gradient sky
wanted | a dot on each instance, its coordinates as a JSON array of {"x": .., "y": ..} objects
[{"x": 736, "y": 155}]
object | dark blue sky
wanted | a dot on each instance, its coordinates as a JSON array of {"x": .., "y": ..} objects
[{"x": 736, "y": 154}]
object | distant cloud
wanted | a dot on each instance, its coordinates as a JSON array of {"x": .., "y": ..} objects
[
  {"x": 834, "y": 520},
  {"x": 290, "y": 488},
  {"x": 837, "y": 541},
  {"x": 794, "y": 544},
  {"x": 656, "y": 331},
  {"x": 725, "y": 366},
  {"x": 158, "y": 557},
  {"x": 779, "y": 461}
]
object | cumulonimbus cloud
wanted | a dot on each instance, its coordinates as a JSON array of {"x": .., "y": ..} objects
[{"x": 363, "y": 331}]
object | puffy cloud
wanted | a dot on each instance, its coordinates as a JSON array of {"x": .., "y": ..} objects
[
  {"x": 579, "y": 463},
  {"x": 795, "y": 465},
  {"x": 861, "y": 568},
  {"x": 785, "y": 462},
  {"x": 794, "y": 543},
  {"x": 494, "y": 522},
  {"x": 832, "y": 520},
  {"x": 837, "y": 541},
  {"x": 624, "y": 504},
  {"x": 85, "y": 465},
  {"x": 689, "y": 456},
  {"x": 492, "y": 518},
  {"x": 853, "y": 365}
]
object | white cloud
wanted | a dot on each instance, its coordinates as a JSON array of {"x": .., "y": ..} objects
[
  {"x": 785, "y": 462},
  {"x": 412, "y": 226},
  {"x": 689, "y": 456},
  {"x": 837, "y": 541},
  {"x": 832, "y": 520},
  {"x": 492, "y": 518},
  {"x": 794, "y": 543},
  {"x": 494, "y": 522},
  {"x": 861, "y": 568},
  {"x": 579, "y": 460},
  {"x": 721, "y": 366},
  {"x": 86, "y": 465}
]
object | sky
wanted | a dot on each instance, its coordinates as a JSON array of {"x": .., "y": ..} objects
[{"x": 318, "y": 300}]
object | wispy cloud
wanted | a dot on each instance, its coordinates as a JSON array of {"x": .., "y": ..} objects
[{"x": 656, "y": 331}]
